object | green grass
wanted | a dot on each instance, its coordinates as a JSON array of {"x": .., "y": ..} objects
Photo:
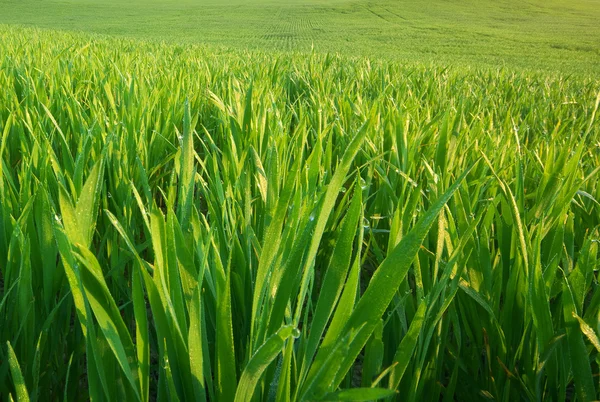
[
  {"x": 535, "y": 34},
  {"x": 190, "y": 223}
]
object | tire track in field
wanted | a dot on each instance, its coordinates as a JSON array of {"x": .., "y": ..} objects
[
  {"x": 292, "y": 29},
  {"x": 396, "y": 14},
  {"x": 381, "y": 15}
]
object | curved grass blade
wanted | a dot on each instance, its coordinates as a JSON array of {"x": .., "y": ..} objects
[
  {"x": 333, "y": 189},
  {"x": 580, "y": 361},
  {"x": 407, "y": 346},
  {"x": 107, "y": 313},
  {"x": 384, "y": 284},
  {"x": 333, "y": 282},
  {"x": 263, "y": 357},
  {"x": 17, "y": 376}
]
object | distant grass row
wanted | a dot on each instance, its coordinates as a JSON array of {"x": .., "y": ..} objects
[
  {"x": 184, "y": 224},
  {"x": 548, "y": 35}
]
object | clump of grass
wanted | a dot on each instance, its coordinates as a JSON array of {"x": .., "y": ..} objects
[{"x": 196, "y": 225}]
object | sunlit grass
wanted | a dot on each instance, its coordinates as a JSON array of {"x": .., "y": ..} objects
[{"x": 183, "y": 223}]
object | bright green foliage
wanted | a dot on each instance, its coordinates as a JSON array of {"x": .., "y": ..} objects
[
  {"x": 545, "y": 35},
  {"x": 184, "y": 223}
]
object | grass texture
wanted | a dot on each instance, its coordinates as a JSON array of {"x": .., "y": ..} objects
[
  {"x": 192, "y": 223},
  {"x": 545, "y": 35}
]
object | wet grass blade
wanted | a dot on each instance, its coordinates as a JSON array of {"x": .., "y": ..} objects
[
  {"x": 383, "y": 285},
  {"x": 259, "y": 362},
  {"x": 17, "y": 376}
]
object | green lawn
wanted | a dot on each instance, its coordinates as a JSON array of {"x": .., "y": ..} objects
[{"x": 552, "y": 35}]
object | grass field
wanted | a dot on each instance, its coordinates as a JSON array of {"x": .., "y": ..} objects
[
  {"x": 539, "y": 34},
  {"x": 202, "y": 203}
]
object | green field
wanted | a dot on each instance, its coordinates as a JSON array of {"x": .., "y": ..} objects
[
  {"x": 552, "y": 35},
  {"x": 299, "y": 201}
]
